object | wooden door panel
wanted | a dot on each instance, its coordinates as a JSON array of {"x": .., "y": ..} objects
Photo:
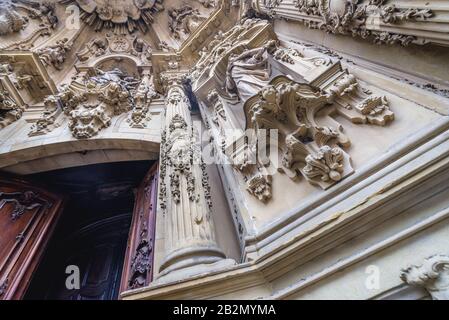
[
  {"x": 28, "y": 215},
  {"x": 138, "y": 266}
]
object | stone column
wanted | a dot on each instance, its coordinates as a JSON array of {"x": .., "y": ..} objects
[{"x": 190, "y": 243}]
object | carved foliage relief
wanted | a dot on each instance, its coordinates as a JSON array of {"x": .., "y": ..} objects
[{"x": 355, "y": 18}]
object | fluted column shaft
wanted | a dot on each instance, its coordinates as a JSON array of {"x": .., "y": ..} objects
[{"x": 185, "y": 195}]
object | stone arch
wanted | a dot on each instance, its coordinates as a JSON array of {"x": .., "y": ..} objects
[{"x": 39, "y": 157}]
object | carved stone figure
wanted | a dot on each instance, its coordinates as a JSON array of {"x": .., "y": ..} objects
[
  {"x": 249, "y": 72},
  {"x": 55, "y": 55},
  {"x": 142, "y": 96},
  {"x": 184, "y": 21}
]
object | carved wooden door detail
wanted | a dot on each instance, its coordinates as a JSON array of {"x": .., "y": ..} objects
[
  {"x": 138, "y": 266},
  {"x": 27, "y": 217}
]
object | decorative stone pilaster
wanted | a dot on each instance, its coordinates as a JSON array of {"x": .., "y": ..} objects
[
  {"x": 433, "y": 275},
  {"x": 190, "y": 243}
]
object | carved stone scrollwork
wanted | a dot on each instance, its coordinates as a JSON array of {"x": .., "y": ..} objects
[
  {"x": 22, "y": 201},
  {"x": 219, "y": 113},
  {"x": 433, "y": 275},
  {"x": 306, "y": 146},
  {"x": 116, "y": 44}
]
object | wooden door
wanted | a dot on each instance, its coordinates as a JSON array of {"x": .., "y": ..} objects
[
  {"x": 28, "y": 215},
  {"x": 138, "y": 266}
]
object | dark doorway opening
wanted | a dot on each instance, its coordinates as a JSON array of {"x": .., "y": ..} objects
[{"x": 92, "y": 232}]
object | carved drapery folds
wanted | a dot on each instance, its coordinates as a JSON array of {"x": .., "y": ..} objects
[
  {"x": 433, "y": 275},
  {"x": 185, "y": 192},
  {"x": 380, "y": 21},
  {"x": 122, "y": 16}
]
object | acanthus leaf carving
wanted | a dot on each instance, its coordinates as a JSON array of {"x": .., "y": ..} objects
[{"x": 432, "y": 274}]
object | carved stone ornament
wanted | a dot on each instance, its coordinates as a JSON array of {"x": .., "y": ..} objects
[
  {"x": 92, "y": 103},
  {"x": 185, "y": 191},
  {"x": 11, "y": 20},
  {"x": 47, "y": 121},
  {"x": 433, "y": 275},
  {"x": 55, "y": 55},
  {"x": 16, "y": 15},
  {"x": 351, "y": 17},
  {"x": 10, "y": 111},
  {"x": 116, "y": 44},
  {"x": 184, "y": 21},
  {"x": 121, "y": 16},
  {"x": 140, "y": 114},
  {"x": 22, "y": 201}
]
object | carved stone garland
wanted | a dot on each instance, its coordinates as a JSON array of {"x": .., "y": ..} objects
[{"x": 184, "y": 192}]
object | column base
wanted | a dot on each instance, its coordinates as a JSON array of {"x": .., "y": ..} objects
[{"x": 193, "y": 270}]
